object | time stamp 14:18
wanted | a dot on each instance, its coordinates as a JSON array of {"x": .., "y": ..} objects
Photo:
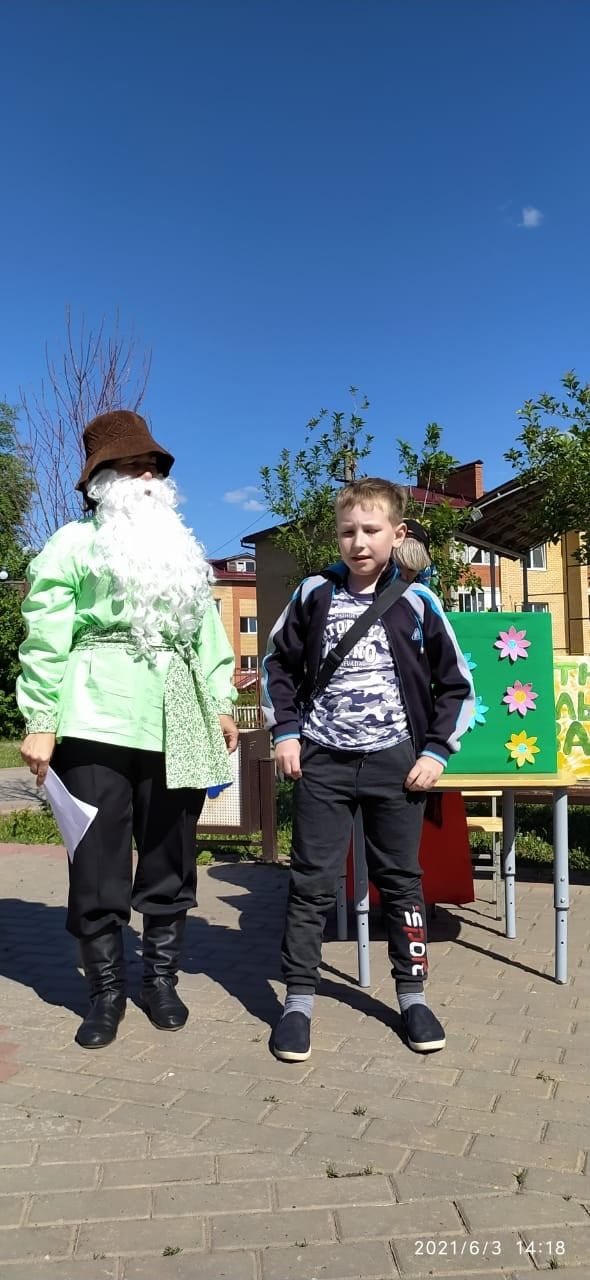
[{"x": 489, "y": 1248}]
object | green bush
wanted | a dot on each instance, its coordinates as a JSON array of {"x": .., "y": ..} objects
[
  {"x": 538, "y": 820},
  {"x": 284, "y": 803},
  {"x": 532, "y": 850},
  {"x": 284, "y": 840}
]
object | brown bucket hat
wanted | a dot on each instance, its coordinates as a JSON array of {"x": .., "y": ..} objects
[{"x": 116, "y": 435}]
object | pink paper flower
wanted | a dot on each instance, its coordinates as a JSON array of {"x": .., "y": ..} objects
[
  {"x": 512, "y": 644},
  {"x": 520, "y": 697}
]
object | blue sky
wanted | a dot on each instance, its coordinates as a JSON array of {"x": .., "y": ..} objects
[{"x": 284, "y": 197}]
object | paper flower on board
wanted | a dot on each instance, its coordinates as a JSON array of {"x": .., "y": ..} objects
[
  {"x": 520, "y": 697},
  {"x": 478, "y": 715},
  {"x": 512, "y": 644},
  {"x": 522, "y": 749},
  {"x": 469, "y": 660}
]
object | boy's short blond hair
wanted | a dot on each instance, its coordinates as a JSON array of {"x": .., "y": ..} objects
[{"x": 372, "y": 491}]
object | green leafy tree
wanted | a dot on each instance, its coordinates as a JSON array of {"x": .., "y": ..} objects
[
  {"x": 16, "y": 482},
  {"x": 16, "y": 489},
  {"x": 431, "y": 466},
  {"x": 300, "y": 489},
  {"x": 12, "y": 631},
  {"x": 553, "y": 453}
]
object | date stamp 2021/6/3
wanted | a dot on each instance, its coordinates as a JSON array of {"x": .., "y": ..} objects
[{"x": 469, "y": 1247}]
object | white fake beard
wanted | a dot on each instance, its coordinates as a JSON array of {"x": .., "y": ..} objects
[{"x": 156, "y": 565}]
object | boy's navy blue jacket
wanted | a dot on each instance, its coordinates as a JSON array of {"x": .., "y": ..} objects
[{"x": 435, "y": 681}]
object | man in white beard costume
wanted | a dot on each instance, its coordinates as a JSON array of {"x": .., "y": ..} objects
[{"x": 126, "y": 689}]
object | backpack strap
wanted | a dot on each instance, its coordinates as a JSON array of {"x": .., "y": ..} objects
[{"x": 336, "y": 656}]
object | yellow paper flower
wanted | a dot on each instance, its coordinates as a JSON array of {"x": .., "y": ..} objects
[{"x": 522, "y": 749}]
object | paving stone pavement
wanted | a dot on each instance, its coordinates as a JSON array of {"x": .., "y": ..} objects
[{"x": 198, "y": 1155}]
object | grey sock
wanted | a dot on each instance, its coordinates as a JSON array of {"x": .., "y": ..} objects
[
  {"x": 408, "y": 998},
  {"x": 302, "y": 1003}
]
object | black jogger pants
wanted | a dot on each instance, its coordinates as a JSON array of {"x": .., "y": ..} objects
[{"x": 334, "y": 784}]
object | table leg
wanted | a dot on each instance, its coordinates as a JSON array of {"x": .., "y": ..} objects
[
  {"x": 361, "y": 901},
  {"x": 509, "y": 859},
  {"x": 341, "y": 911},
  {"x": 561, "y": 896}
]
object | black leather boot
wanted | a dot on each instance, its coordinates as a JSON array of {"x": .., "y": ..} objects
[
  {"x": 162, "y": 940},
  {"x": 103, "y": 961}
]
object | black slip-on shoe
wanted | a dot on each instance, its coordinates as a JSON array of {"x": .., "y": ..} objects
[
  {"x": 291, "y": 1038},
  {"x": 424, "y": 1031}
]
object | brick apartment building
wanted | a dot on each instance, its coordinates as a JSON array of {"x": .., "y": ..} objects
[{"x": 234, "y": 593}]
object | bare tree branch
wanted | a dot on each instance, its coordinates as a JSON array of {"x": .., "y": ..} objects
[{"x": 95, "y": 374}]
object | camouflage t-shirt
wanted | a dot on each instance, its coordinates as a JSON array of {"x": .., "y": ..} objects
[{"x": 361, "y": 708}]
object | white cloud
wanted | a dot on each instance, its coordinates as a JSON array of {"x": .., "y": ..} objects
[
  {"x": 531, "y": 217},
  {"x": 245, "y": 498}
]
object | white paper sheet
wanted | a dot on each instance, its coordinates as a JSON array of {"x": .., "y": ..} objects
[{"x": 73, "y": 816}]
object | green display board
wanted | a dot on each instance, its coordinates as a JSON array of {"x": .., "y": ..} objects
[{"x": 511, "y": 657}]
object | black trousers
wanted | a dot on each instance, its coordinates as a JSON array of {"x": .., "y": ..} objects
[
  {"x": 129, "y": 788},
  {"x": 333, "y": 786}
]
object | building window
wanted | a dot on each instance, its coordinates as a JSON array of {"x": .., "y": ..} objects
[
  {"x": 242, "y": 566},
  {"x": 537, "y": 557},
  {"x": 475, "y": 555},
  {"x": 249, "y": 662},
  {"x": 471, "y": 602},
  {"x": 537, "y": 606},
  {"x": 249, "y": 626},
  {"x": 217, "y": 603}
]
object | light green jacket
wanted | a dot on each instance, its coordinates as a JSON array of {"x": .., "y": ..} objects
[{"x": 82, "y": 679}]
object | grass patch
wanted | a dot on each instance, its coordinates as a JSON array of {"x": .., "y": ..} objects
[
  {"x": 29, "y": 826},
  {"x": 10, "y": 756},
  {"x": 243, "y": 848}
]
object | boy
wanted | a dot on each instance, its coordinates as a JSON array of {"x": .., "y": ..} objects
[
  {"x": 413, "y": 555},
  {"x": 378, "y": 736}
]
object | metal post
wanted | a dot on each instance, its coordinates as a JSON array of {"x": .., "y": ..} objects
[
  {"x": 561, "y": 897},
  {"x": 268, "y": 809},
  {"x": 493, "y": 601},
  {"x": 361, "y": 901},
  {"x": 342, "y": 910},
  {"x": 509, "y": 857},
  {"x": 496, "y": 861}
]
